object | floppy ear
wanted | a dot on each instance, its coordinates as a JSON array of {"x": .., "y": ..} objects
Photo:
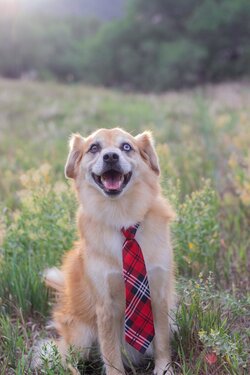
[
  {"x": 75, "y": 154},
  {"x": 145, "y": 142}
]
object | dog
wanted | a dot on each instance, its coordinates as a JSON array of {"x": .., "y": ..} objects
[{"x": 116, "y": 178}]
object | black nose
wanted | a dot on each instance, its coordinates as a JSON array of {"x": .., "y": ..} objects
[{"x": 111, "y": 157}]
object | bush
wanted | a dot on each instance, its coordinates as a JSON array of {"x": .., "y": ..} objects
[{"x": 196, "y": 232}]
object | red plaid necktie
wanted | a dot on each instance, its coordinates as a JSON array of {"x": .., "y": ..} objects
[{"x": 139, "y": 325}]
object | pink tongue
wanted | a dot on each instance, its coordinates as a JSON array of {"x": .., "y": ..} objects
[{"x": 112, "y": 183}]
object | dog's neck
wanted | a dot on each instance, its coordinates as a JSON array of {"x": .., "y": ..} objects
[{"x": 116, "y": 213}]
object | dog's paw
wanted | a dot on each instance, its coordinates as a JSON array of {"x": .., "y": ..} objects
[{"x": 163, "y": 367}]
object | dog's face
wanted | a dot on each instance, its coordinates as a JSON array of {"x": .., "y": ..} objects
[{"x": 112, "y": 161}]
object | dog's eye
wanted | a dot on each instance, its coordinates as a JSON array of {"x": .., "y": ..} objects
[
  {"x": 126, "y": 147},
  {"x": 94, "y": 148}
]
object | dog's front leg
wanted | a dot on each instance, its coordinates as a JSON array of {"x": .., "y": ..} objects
[
  {"x": 161, "y": 341},
  {"x": 160, "y": 304},
  {"x": 109, "y": 332}
]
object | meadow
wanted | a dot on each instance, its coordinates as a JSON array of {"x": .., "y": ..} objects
[{"x": 203, "y": 142}]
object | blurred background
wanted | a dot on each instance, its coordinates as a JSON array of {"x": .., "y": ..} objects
[{"x": 131, "y": 44}]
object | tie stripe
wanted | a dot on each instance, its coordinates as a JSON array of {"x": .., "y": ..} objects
[{"x": 139, "y": 325}]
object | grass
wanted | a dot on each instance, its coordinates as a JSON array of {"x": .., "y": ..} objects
[{"x": 203, "y": 142}]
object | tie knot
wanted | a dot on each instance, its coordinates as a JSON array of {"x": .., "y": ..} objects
[{"x": 130, "y": 232}]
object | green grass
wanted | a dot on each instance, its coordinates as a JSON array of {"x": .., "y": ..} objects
[{"x": 203, "y": 142}]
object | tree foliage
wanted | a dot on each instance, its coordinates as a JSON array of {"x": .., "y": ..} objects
[{"x": 157, "y": 45}]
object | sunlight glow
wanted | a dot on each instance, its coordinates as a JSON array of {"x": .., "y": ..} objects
[
  {"x": 9, "y": 7},
  {"x": 14, "y": 8}
]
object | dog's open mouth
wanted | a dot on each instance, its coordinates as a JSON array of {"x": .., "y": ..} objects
[{"x": 112, "y": 181}]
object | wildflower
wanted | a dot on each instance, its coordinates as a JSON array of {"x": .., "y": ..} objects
[
  {"x": 222, "y": 120},
  {"x": 202, "y": 333},
  {"x": 243, "y": 118},
  {"x": 45, "y": 172},
  {"x": 60, "y": 187},
  {"x": 232, "y": 162},
  {"x": 211, "y": 358},
  {"x": 25, "y": 180},
  {"x": 45, "y": 169}
]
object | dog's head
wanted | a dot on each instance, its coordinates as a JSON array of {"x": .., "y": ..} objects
[
  {"x": 112, "y": 161},
  {"x": 115, "y": 174}
]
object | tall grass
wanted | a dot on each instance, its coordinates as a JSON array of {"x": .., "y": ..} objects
[
  {"x": 203, "y": 144},
  {"x": 37, "y": 235}
]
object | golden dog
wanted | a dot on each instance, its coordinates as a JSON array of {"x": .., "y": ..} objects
[{"x": 116, "y": 177}]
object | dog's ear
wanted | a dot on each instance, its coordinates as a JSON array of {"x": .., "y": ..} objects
[
  {"x": 75, "y": 154},
  {"x": 145, "y": 142}
]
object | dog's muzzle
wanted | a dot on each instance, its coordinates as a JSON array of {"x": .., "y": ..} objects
[{"x": 112, "y": 180}]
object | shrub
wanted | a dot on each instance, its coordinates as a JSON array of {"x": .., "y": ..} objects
[{"x": 196, "y": 232}]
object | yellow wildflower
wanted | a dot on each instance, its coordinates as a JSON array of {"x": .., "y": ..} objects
[
  {"x": 191, "y": 245},
  {"x": 222, "y": 120}
]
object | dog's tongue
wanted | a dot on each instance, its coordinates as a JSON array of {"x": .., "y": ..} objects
[{"x": 112, "y": 181}]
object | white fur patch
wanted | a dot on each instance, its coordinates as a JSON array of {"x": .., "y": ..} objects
[{"x": 54, "y": 277}]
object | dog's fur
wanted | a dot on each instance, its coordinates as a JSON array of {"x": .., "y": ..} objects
[{"x": 90, "y": 284}]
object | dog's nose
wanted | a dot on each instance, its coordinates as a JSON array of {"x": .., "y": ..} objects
[{"x": 111, "y": 157}]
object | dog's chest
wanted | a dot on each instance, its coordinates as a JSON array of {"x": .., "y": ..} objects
[
  {"x": 105, "y": 263},
  {"x": 104, "y": 260},
  {"x": 105, "y": 244}
]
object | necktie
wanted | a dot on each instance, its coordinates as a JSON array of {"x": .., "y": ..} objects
[{"x": 139, "y": 325}]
